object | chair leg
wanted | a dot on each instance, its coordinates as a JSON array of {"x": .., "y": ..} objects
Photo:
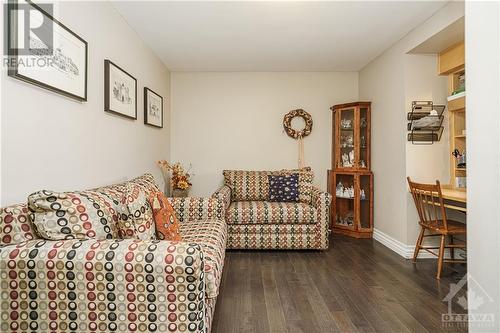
[
  {"x": 419, "y": 244},
  {"x": 441, "y": 257},
  {"x": 452, "y": 249}
]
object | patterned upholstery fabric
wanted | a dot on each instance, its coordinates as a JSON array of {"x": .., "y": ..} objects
[
  {"x": 198, "y": 209},
  {"x": 15, "y": 225},
  {"x": 211, "y": 236},
  {"x": 224, "y": 194},
  {"x": 247, "y": 185},
  {"x": 102, "y": 285},
  {"x": 112, "y": 285},
  {"x": 267, "y": 212},
  {"x": 69, "y": 215},
  {"x": 136, "y": 220},
  {"x": 257, "y": 224}
]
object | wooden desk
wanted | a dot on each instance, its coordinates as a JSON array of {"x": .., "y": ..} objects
[{"x": 454, "y": 199}]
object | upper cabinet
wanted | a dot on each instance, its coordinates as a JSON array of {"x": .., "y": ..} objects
[
  {"x": 351, "y": 135},
  {"x": 452, "y": 59}
]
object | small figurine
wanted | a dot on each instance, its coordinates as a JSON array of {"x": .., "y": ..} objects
[
  {"x": 362, "y": 164},
  {"x": 350, "y": 192},
  {"x": 351, "y": 157},
  {"x": 345, "y": 123},
  {"x": 362, "y": 194},
  {"x": 363, "y": 141},
  {"x": 345, "y": 160},
  {"x": 363, "y": 123},
  {"x": 339, "y": 191}
]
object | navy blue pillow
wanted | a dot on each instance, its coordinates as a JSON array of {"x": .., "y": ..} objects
[{"x": 284, "y": 188}]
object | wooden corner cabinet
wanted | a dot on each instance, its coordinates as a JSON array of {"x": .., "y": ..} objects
[
  {"x": 351, "y": 136},
  {"x": 350, "y": 181}
]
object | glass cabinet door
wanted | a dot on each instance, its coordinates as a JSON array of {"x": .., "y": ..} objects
[
  {"x": 346, "y": 138},
  {"x": 344, "y": 202},
  {"x": 364, "y": 139},
  {"x": 365, "y": 202}
]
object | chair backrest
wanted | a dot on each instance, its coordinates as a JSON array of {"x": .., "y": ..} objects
[{"x": 429, "y": 203}]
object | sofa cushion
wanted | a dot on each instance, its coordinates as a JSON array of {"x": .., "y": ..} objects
[
  {"x": 136, "y": 218},
  {"x": 247, "y": 185},
  {"x": 15, "y": 225},
  {"x": 284, "y": 188},
  {"x": 166, "y": 223},
  {"x": 211, "y": 236},
  {"x": 69, "y": 215},
  {"x": 266, "y": 212}
]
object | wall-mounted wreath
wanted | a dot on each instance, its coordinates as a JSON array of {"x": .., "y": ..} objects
[{"x": 287, "y": 124}]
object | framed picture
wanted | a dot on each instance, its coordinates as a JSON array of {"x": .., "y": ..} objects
[
  {"x": 50, "y": 56},
  {"x": 120, "y": 91},
  {"x": 153, "y": 108}
]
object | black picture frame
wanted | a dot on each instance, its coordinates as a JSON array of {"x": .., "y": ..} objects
[
  {"x": 13, "y": 69},
  {"x": 108, "y": 64},
  {"x": 146, "y": 108}
]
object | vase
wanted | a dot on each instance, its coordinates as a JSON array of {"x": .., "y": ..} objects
[{"x": 178, "y": 193}]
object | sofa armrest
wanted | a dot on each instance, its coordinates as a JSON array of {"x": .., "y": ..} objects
[
  {"x": 321, "y": 201},
  {"x": 190, "y": 209},
  {"x": 104, "y": 285},
  {"x": 223, "y": 193}
]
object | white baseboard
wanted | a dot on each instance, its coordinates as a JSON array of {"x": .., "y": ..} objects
[{"x": 404, "y": 250}]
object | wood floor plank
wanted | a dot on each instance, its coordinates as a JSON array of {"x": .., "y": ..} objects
[{"x": 355, "y": 286}]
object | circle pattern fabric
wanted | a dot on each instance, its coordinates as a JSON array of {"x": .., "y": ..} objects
[
  {"x": 102, "y": 285},
  {"x": 15, "y": 225},
  {"x": 287, "y": 123}
]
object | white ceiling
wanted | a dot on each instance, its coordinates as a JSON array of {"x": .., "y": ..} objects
[{"x": 272, "y": 36}]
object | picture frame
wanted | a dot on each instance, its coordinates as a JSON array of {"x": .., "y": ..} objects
[
  {"x": 120, "y": 91},
  {"x": 62, "y": 67},
  {"x": 153, "y": 108}
]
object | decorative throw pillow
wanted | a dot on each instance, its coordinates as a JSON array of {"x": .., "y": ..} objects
[
  {"x": 15, "y": 225},
  {"x": 69, "y": 215},
  {"x": 284, "y": 188},
  {"x": 136, "y": 216},
  {"x": 167, "y": 225},
  {"x": 306, "y": 177}
]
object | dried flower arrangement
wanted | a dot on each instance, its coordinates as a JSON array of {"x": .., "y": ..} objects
[{"x": 179, "y": 178}]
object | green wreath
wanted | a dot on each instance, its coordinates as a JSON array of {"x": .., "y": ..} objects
[{"x": 287, "y": 123}]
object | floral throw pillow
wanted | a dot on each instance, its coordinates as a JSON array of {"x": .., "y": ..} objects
[
  {"x": 136, "y": 216},
  {"x": 284, "y": 188},
  {"x": 166, "y": 223},
  {"x": 70, "y": 215}
]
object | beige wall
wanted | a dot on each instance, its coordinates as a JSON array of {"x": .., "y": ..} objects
[
  {"x": 391, "y": 82},
  {"x": 49, "y": 141},
  {"x": 234, "y": 121}
]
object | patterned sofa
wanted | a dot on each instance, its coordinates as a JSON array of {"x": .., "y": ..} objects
[
  {"x": 255, "y": 223},
  {"x": 112, "y": 285}
]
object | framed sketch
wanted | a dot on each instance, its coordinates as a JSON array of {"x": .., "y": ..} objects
[
  {"x": 44, "y": 52},
  {"x": 153, "y": 108},
  {"x": 120, "y": 91}
]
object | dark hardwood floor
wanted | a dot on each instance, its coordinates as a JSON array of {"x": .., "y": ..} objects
[{"x": 355, "y": 286}]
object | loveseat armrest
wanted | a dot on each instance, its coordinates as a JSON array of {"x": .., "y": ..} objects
[
  {"x": 190, "y": 209},
  {"x": 321, "y": 201},
  {"x": 104, "y": 285},
  {"x": 223, "y": 193}
]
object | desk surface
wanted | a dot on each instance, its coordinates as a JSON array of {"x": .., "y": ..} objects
[{"x": 454, "y": 195}]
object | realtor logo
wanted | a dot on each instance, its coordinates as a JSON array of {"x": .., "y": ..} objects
[
  {"x": 471, "y": 300},
  {"x": 30, "y": 32}
]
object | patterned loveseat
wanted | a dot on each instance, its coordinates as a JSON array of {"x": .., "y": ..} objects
[
  {"x": 112, "y": 285},
  {"x": 255, "y": 223}
]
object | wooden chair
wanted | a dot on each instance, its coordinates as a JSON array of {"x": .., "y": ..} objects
[{"x": 432, "y": 213}]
